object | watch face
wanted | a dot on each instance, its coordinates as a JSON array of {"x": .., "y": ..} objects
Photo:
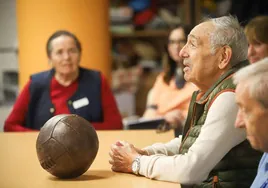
[{"x": 135, "y": 166}]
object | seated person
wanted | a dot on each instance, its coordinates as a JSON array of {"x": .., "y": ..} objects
[
  {"x": 256, "y": 32},
  {"x": 211, "y": 152},
  {"x": 170, "y": 96},
  {"x": 251, "y": 97},
  {"x": 65, "y": 89}
]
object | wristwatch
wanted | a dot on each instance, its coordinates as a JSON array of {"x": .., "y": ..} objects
[{"x": 136, "y": 165}]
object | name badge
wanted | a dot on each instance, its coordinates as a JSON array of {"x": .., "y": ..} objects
[{"x": 80, "y": 103}]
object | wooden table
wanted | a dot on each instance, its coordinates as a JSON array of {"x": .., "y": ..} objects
[{"x": 20, "y": 168}]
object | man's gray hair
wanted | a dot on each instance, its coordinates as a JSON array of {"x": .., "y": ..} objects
[
  {"x": 255, "y": 79},
  {"x": 229, "y": 32}
]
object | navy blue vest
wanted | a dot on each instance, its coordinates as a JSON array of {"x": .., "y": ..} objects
[{"x": 41, "y": 109}]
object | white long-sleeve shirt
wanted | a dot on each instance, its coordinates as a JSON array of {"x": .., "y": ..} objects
[{"x": 218, "y": 135}]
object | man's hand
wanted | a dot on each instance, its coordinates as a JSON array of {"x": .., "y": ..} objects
[{"x": 122, "y": 155}]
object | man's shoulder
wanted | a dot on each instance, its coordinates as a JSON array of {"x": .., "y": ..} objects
[
  {"x": 261, "y": 175},
  {"x": 226, "y": 84},
  {"x": 264, "y": 159}
]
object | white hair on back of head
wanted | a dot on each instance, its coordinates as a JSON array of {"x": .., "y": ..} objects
[
  {"x": 254, "y": 69},
  {"x": 229, "y": 32},
  {"x": 255, "y": 78}
]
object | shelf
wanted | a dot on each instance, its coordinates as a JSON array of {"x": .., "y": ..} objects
[
  {"x": 140, "y": 34},
  {"x": 11, "y": 88}
]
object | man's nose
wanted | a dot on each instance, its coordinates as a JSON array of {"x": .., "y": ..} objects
[
  {"x": 183, "y": 53},
  {"x": 239, "y": 122}
]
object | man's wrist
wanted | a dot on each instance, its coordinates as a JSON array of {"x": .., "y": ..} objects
[{"x": 135, "y": 167}]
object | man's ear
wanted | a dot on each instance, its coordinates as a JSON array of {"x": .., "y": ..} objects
[{"x": 225, "y": 57}]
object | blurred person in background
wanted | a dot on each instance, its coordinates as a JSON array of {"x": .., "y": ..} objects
[
  {"x": 171, "y": 94},
  {"x": 65, "y": 89},
  {"x": 256, "y": 32}
]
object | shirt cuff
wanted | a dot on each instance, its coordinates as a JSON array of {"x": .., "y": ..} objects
[{"x": 144, "y": 161}]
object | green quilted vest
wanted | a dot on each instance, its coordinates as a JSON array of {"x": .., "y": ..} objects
[{"x": 238, "y": 167}]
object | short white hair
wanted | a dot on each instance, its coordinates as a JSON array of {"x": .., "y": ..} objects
[
  {"x": 229, "y": 32},
  {"x": 255, "y": 78}
]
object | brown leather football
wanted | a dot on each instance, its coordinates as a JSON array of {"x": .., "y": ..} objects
[{"x": 67, "y": 145}]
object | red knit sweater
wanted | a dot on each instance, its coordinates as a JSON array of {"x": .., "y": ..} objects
[{"x": 59, "y": 95}]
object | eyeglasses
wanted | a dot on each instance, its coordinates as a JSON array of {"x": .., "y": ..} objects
[{"x": 180, "y": 42}]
